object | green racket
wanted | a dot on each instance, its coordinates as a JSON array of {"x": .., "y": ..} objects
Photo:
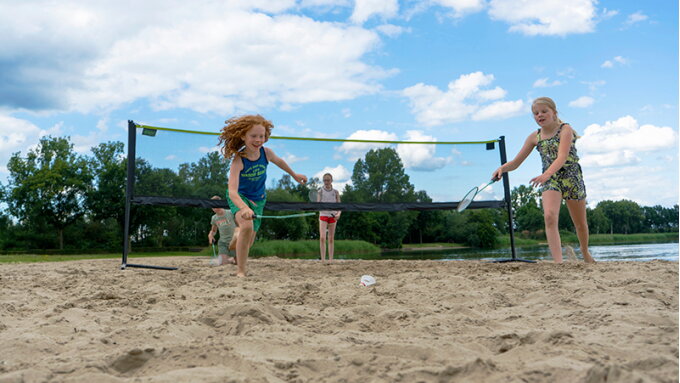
[
  {"x": 214, "y": 260},
  {"x": 283, "y": 216}
]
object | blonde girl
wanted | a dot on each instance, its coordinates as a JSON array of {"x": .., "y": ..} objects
[{"x": 562, "y": 177}]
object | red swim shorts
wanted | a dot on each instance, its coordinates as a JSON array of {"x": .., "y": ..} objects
[{"x": 327, "y": 219}]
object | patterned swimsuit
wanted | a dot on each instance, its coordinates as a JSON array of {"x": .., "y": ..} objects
[{"x": 569, "y": 179}]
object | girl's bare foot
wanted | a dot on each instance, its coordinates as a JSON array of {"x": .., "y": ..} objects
[{"x": 587, "y": 258}]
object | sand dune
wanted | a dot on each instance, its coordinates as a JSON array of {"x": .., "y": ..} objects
[{"x": 303, "y": 321}]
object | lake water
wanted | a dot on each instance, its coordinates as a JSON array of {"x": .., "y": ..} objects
[{"x": 627, "y": 252}]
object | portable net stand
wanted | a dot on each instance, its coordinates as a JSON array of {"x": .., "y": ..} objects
[{"x": 178, "y": 146}]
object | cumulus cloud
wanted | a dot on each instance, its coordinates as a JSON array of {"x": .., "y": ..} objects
[
  {"x": 463, "y": 99},
  {"x": 420, "y": 156},
  {"x": 547, "y": 17},
  {"x": 626, "y": 134},
  {"x": 461, "y": 7},
  {"x": 17, "y": 135},
  {"x": 616, "y": 60},
  {"x": 582, "y": 102},
  {"x": 365, "y": 9},
  {"x": 208, "y": 57},
  {"x": 353, "y": 151},
  {"x": 635, "y": 18},
  {"x": 621, "y": 158},
  {"x": 546, "y": 83},
  {"x": 292, "y": 158}
]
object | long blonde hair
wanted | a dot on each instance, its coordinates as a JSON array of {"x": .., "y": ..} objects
[{"x": 235, "y": 128}]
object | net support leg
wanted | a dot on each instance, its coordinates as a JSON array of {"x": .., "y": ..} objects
[
  {"x": 132, "y": 149},
  {"x": 508, "y": 205}
]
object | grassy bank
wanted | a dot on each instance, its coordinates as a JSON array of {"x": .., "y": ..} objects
[
  {"x": 259, "y": 249},
  {"x": 309, "y": 247}
]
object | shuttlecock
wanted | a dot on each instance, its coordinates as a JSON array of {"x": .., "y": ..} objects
[{"x": 367, "y": 280}]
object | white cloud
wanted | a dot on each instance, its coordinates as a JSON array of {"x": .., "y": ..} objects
[
  {"x": 222, "y": 57},
  {"x": 461, "y": 7},
  {"x": 546, "y": 17},
  {"x": 621, "y": 158},
  {"x": 635, "y": 18},
  {"x": 616, "y": 60},
  {"x": 207, "y": 149},
  {"x": 353, "y": 151},
  {"x": 464, "y": 99},
  {"x": 365, "y": 9},
  {"x": 626, "y": 134},
  {"x": 292, "y": 158},
  {"x": 391, "y": 30},
  {"x": 499, "y": 110},
  {"x": 16, "y": 135},
  {"x": 420, "y": 156},
  {"x": 545, "y": 83},
  {"x": 582, "y": 102},
  {"x": 631, "y": 183}
]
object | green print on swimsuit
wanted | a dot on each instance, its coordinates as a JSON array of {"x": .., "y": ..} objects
[
  {"x": 253, "y": 173},
  {"x": 569, "y": 179}
]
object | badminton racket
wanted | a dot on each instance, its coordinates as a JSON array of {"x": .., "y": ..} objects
[
  {"x": 465, "y": 202},
  {"x": 214, "y": 260}
]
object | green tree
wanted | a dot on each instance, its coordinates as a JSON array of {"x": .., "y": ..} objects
[
  {"x": 660, "y": 219},
  {"x": 48, "y": 185},
  {"x": 106, "y": 199},
  {"x": 207, "y": 177},
  {"x": 598, "y": 223},
  {"x": 480, "y": 230},
  {"x": 625, "y": 216},
  {"x": 379, "y": 177}
]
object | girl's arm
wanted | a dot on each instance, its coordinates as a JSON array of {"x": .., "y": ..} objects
[
  {"x": 276, "y": 160},
  {"x": 211, "y": 234},
  {"x": 566, "y": 136},
  {"x": 529, "y": 144},
  {"x": 234, "y": 171}
]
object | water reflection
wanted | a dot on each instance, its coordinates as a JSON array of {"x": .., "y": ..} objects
[{"x": 628, "y": 252}]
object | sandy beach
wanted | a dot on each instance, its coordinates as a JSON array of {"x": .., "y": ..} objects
[{"x": 304, "y": 321}]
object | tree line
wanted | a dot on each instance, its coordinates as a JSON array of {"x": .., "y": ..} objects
[{"x": 58, "y": 199}]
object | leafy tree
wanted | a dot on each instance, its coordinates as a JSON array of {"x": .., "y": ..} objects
[
  {"x": 48, "y": 185},
  {"x": 625, "y": 216},
  {"x": 106, "y": 199},
  {"x": 428, "y": 225},
  {"x": 660, "y": 219},
  {"x": 529, "y": 217},
  {"x": 480, "y": 230},
  {"x": 598, "y": 222},
  {"x": 207, "y": 177},
  {"x": 379, "y": 177}
]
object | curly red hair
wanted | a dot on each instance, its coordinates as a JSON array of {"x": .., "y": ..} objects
[{"x": 235, "y": 128}]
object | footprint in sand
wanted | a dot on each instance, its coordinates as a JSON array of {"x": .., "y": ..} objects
[{"x": 134, "y": 359}]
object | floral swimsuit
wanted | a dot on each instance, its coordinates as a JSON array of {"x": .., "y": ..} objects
[{"x": 569, "y": 179}]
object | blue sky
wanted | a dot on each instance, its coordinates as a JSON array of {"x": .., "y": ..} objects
[{"x": 444, "y": 70}]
